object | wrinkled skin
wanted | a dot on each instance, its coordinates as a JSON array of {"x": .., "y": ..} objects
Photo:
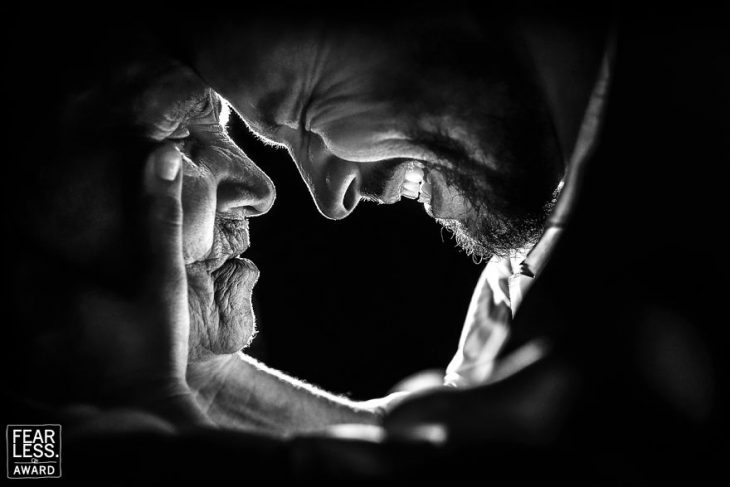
[
  {"x": 117, "y": 322},
  {"x": 85, "y": 217},
  {"x": 222, "y": 188},
  {"x": 353, "y": 105}
]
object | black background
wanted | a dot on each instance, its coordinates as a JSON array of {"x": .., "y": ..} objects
[{"x": 354, "y": 305}]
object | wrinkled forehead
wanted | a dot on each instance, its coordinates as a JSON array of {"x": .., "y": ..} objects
[
  {"x": 150, "y": 98},
  {"x": 169, "y": 98}
]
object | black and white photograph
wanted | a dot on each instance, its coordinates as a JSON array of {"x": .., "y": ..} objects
[{"x": 377, "y": 243}]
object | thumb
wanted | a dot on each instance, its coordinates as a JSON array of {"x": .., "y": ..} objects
[
  {"x": 422, "y": 416},
  {"x": 166, "y": 276},
  {"x": 163, "y": 185}
]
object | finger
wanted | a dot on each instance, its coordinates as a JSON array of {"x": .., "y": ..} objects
[
  {"x": 166, "y": 279},
  {"x": 423, "y": 416},
  {"x": 526, "y": 407},
  {"x": 163, "y": 184}
]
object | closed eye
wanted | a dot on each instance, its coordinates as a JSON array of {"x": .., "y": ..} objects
[
  {"x": 181, "y": 138},
  {"x": 180, "y": 133}
]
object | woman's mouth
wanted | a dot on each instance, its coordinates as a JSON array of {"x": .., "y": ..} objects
[{"x": 238, "y": 268}]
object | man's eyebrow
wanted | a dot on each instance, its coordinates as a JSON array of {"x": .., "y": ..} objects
[
  {"x": 263, "y": 127},
  {"x": 266, "y": 108}
]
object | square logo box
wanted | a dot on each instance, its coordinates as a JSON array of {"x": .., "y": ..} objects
[{"x": 33, "y": 451}]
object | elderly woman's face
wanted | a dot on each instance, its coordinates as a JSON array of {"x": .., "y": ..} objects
[{"x": 222, "y": 188}]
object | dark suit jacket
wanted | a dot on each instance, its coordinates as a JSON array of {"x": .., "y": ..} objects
[{"x": 631, "y": 297}]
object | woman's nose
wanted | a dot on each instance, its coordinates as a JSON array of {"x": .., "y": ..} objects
[
  {"x": 333, "y": 182},
  {"x": 245, "y": 189}
]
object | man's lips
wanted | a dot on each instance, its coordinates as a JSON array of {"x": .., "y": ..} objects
[
  {"x": 399, "y": 179},
  {"x": 414, "y": 180}
]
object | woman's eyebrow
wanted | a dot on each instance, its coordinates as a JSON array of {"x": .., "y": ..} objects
[
  {"x": 200, "y": 102},
  {"x": 266, "y": 109},
  {"x": 206, "y": 103}
]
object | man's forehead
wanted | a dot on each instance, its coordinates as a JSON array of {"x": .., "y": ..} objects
[{"x": 270, "y": 104}]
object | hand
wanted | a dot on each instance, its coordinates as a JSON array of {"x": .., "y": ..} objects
[
  {"x": 524, "y": 405},
  {"x": 139, "y": 343},
  {"x": 237, "y": 391}
]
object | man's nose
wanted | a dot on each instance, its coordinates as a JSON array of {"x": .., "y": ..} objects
[
  {"x": 245, "y": 189},
  {"x": 333, "y": 182}
]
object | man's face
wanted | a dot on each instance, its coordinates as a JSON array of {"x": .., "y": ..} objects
[
  {"x": 441, "y": 112},
  {"x": 222, "y": 188}
]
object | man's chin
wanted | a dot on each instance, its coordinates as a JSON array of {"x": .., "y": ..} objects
[
  {"x": 222, "y": 319},
  {"x": 485, "y": 236},
  {"x": 464, "y": 239}
]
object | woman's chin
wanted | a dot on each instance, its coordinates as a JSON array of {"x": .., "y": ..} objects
[{"x": 222, "y": 319}]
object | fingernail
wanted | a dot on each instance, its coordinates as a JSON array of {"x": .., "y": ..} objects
[
  {"x": 434, "y": 433},
  {"x": 429, "y": 432},
  {"x": 167, "y": 165}
]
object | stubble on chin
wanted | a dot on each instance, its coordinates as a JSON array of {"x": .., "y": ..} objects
[{"x": 483, "y": 233}]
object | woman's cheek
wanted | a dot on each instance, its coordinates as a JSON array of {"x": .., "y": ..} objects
[{"x": 199, "y": 209}]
